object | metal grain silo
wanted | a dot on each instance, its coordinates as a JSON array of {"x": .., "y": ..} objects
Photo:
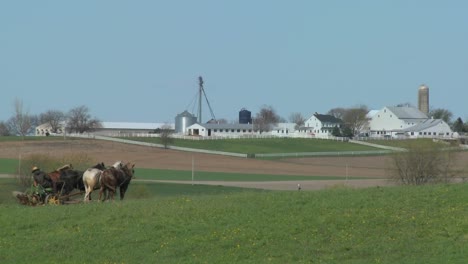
[
  {"x": 245, "y": 116},
  {"x": 184, "y": 120}
]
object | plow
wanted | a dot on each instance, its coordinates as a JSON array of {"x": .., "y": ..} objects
[{"x": 37, "y": 195}]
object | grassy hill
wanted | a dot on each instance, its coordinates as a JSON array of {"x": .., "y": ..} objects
[{"x": 376, "y": 225}]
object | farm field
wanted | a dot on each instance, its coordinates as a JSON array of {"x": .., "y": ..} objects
[
  {"x": 371, "y": 170},
  {"x": 263, "y": 145},
  {"x": 375, "y": 225}
]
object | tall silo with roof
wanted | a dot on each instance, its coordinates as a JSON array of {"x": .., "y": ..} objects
[
  {"x": 423, "y": 99},
  {"x": 245, "y": 116},
  {"x": 184, "y": 120}
]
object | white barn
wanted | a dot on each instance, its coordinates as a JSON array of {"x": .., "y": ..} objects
[{"x": 404, "y": 121}]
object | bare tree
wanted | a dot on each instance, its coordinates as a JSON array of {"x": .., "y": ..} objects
[
  {"x": 265, "y": 119},
  {"x": 423, "y": 163},
  {"x": 222, "y": 121},
  {"x": 4, "y": 129},
  {"x": 21, "y": 123},
  {"x": 54, "y": 118},
  {"x": 337, "y": 112},
  {"x": 80, "y": 121},
  {"x": 166, "y": 135},
  {"x": 297, "y": 119},
  {"x": 356, "y": 118}
]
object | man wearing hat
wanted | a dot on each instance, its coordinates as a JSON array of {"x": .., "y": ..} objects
[{"x": 41, "y": 178}]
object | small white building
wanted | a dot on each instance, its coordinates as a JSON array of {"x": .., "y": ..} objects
[
  {"x": 220, "y": 130},
  {"x": 238, "y": 130},
  {"x": 283, "y": 130},
  {"x": 319, "y": 125},
  {"x": 429, "y": 128}
]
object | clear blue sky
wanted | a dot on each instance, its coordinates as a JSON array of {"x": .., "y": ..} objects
[{"x": 139, "y": 61}]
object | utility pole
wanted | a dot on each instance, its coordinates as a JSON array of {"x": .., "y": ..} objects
[{"x": 200, "y": 87}]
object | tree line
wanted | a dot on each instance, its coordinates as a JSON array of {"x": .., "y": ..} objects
[
  {"x": 22, "y": 123},
  {"x": 79, "y": 120}
]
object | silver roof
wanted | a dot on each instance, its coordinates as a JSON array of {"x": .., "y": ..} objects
[
  {"x": 405, "y": 112},
  {"x": 424, "y": 125},
  {"x": 131, "y": 125}
]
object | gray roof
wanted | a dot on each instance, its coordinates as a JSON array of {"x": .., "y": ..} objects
[
  {"x": 405, "y": 112},
  {"x": 424, "y": 125},
  {"x": 226, "y": 126},
  {"x": 132, "y": 125},
  {"x": 327, "y": 118}
]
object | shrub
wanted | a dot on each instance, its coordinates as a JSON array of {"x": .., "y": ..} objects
[{"x": 423, "y": 163}]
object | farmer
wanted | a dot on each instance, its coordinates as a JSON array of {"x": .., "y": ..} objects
[{"x": 41, "y": 178}]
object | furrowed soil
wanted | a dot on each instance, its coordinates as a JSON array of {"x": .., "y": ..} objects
[{"x": 373, "y": 167}]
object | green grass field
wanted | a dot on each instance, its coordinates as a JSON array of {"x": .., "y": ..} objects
[
  {"x": 377, "y": 225},
  {"x": 269, "y": 145},
  {"x": 9, "y": 166}
]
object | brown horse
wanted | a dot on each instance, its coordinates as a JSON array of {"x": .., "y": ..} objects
[{"x": 114, "y": 178}]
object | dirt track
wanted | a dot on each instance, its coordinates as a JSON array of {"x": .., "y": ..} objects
[{"x": 148, "y": 157}]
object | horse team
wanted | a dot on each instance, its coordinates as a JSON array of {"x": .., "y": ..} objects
[{"x": 107, "y": 180}]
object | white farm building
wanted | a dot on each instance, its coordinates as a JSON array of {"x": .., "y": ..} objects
[{"x": 404, "y": 121}]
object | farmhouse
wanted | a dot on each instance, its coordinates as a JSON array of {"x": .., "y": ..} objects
[
  {"x": 319, "y": 125},
  {"x": 404, "y": 121}
]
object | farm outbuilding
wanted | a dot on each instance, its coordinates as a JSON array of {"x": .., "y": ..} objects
[
  {"x": 112, "y": 128},
  {"x": 222, "y": 130}
]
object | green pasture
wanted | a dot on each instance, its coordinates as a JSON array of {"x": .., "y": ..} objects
[
  {"x": 427, "y": 224},
  {"x": 263, "y": 145},
  {"x": 402, "y": 143},
  {"x": 137, "y": 190},
  {"x": 10, "y": 166},
  {"x": 176, "y": 175}
]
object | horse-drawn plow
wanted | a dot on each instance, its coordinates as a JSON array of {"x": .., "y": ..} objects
[
  {"x": 38, "y": 195},
  {"x": 57, "y": 187},
  {"x": 51, "y": 188}
]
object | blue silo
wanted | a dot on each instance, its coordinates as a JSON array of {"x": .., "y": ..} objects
[{"x": 245, "y": 116}]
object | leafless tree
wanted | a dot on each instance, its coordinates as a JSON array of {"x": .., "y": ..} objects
[
  {"x": 21, "y": 123},
  {"x": 4, "y": 130},
  {"x": 54, "y": 118},
  {"x": 265, "y": 119},
  {"x": 166, "y": 135},
  {"x": 298, "y": 119},
  {"x": 337, "y": 112},
  {"x": 80, "y": 121},
  {"x": 222, "y": 121},
  {"x": 423, "y": 163},
  {"x": 356, "y": 118}
]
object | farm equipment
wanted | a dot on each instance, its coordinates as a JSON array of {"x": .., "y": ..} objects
[{"x": 38, "y": 195}]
